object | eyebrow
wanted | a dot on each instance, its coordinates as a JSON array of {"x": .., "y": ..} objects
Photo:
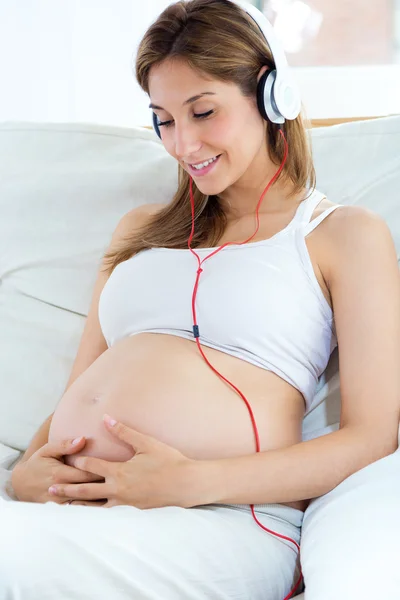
[{"x": 190, "y": 101}]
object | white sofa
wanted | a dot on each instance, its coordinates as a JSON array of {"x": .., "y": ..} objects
[{"x": 63, "y": 188}]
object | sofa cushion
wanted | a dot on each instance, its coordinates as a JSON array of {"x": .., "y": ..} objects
[{"x": 63, "y": 188}]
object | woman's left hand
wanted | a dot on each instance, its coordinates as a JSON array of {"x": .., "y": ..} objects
[{"x": 157, "y": 475}]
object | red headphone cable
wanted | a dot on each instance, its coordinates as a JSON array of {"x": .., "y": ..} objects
[{"x": 196, "y": 334}]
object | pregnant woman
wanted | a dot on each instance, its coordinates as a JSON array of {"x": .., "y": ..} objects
[{"x": 292, "y": 282}]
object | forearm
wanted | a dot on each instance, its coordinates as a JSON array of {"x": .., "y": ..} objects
[
  {"x": 40, "y": 439},
  {"x": 303, "y": 471}
]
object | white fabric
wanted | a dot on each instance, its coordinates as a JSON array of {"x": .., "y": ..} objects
[
  {"x": 62, "y": 190},
  {"x": 58, "y": 552},
  {"x": 350, "y": 537},
  {"x": 8, "y": 458}
]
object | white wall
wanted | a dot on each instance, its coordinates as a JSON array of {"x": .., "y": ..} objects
[
  {"x": 364, "y": 91},
  {"x": 71, "y": 60}
]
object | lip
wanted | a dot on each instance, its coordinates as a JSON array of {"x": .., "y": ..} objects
[{"x": 205, "y": 170}]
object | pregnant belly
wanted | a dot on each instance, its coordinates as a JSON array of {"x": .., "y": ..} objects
[{"x": 161, "y": 385}]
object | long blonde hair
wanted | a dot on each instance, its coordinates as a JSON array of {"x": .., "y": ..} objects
[{"x": 216, "y": 38}]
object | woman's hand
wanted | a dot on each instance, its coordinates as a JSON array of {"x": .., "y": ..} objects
[
  {"x": 157, "y": 475},
  {"x": 32, "y": 478}
]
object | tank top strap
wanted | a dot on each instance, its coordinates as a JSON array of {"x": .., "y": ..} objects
[
  {"x": 307, "y": 209},
  {"x": 315, "y": 222}
]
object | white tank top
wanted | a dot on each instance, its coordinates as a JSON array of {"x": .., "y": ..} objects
[{"x": 260, "y": 302}]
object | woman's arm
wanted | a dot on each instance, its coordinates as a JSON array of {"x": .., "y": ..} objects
[
  {"x": 303, "y": 471},
  {"x": 361, "y": 269}
]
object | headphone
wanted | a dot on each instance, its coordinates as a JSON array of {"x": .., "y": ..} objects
[{"x": 278, "y": 97}]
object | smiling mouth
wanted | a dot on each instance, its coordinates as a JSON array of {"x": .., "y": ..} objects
[
  {"x": 203, "y": 170},
  {"x": 206, "y": 160}
]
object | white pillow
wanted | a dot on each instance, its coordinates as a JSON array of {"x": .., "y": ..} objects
[
  {"x": 349, "y": 540},
  {"x": 63, "y": 188}
]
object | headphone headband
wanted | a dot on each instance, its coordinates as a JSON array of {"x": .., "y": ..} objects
[{"x": 268, "y": 32}]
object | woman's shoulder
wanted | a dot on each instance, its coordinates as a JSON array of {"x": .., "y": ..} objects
[
  {"x": 134, "y": 219},
  {"x": 144, "y": 210},
  {"x": 348, "y": 220},
  {"x": 350, "y": 232},
  {"x": 139, "y": 215}
]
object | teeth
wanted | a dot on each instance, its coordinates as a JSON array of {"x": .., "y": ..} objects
[{"x": 204, "y": 164}]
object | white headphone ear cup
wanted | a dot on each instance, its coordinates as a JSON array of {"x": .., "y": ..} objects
[
  {"x": 286, "y": 96},
  {"x": 265, "y": 98}
]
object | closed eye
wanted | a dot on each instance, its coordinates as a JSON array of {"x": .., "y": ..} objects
[{"x": 198, "y": 116}]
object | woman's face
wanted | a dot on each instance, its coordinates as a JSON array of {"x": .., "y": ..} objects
[{"x": 205, "y": 118}]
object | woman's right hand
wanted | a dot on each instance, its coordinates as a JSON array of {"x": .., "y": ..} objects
[{"x": 32, "y": 478}]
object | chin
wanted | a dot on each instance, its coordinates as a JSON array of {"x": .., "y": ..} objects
[{"x": 209, "y": 188}]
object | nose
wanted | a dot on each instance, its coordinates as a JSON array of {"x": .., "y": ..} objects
[{"x": 187, "y": 140}]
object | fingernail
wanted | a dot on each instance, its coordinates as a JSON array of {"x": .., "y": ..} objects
[
  {"x": 76, "y": 441},
  {"x": 52, "y": 489},
  {"x": 109, "y": 420}
]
